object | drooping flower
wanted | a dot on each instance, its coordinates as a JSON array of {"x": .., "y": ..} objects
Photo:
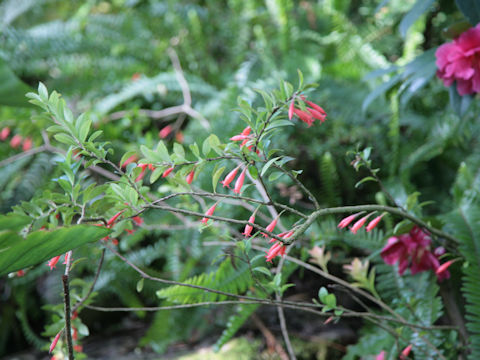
[
  {"x": 114, "y": 218},
  {"x": 78, "y": 348},
  {"x": 239, "y": 182},
  {"x": 137, "y": 220},
  {"x": 381, "y": 356},
  {"x": 270, "y": 227},
  {"x": 458, "y": 61},
  {"x": 372, "y": 224},
  {"x": 142, "y": 173},
  {"x": 190, "y": 176},
  {"x": 16, "y": 141},
  {"x": 305, "y": 116},
  {"x": 130, "y": 160},
  {"x": 27, "y": 144},
  {"x": 405, "y": 352},
  {"x": 346, "y": 221},
  {"x": 239, "y": 137},
  {"x": 167, "y": 172},
  {"x": 165, "y": 132},
  {"x": 229, "y": 178},
  {"x": 276, "y": 249},
  {"x": 442, "y": 272},
  {"x": 359, "y": 223},
  {"x": 309, "y": 114},
  {"x": 209, "y": 213},
  {"x": 55, "y": 341},
  {"x": 68, "y": 257},
  {"x": 290, "y": 109},
  {"x": 248, "y": 228},
  {"x": 53, "y": 262},
  {"x": 74, "y": 333},
  {"x": 4, "y": 133}
]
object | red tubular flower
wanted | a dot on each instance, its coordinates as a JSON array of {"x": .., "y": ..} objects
[
  {"x": 209, "y": 213},
  {"x": 74, "y": 315},
  {"x": 20, "y": 273},
  {"x": 190, "y": 176},
  {"x": 142, "y": 173},
  {"x": 270, "y": 227},
  {"x": 55, "y": 341},
  {"x": 130, "y": 160},
  {"x": 357, "y": 226},
  {"x": 74, "y": 333},
  {"x": 239, "y": 182},
  {"x": 406, "y": 352},
  {"x": 316, "y": 107},
  {"x": 27, "y": 144},
  {"x": 239, "y": 137},
  {"x": 68, "y": 256},
  {"x": 137, "y": 220},
  {"x": 442, "y": 272},
  {"x": 229, "y": 178},
  {"x": 248, "y": 228},
  {"x": 275, "y": 249},
  {"x": 78, "y": 348},
  {"x": 114, "y": 218},
  {"x": 346, "y": 221},
  {"x": 305, "y": 116},
  {"x": 246, "y": 131},
  {"x": 291, "y": 108},
  {"x": 317, "y": 114},
  {"x": 381, "y": 356},
  {"x": 53, "y": 262},
  {"x": 165, "y": 132},
  {"x": 4, "y": 133},
  {"x": 16, "y": 141},
  {"x": 372, "y": 224},
  {"x": 167, "y": 172}
]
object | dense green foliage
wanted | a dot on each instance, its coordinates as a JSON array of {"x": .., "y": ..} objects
[{"x": 110, "y": 70}]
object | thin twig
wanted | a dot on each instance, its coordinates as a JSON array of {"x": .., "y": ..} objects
[{"x": 66, "y": 298}]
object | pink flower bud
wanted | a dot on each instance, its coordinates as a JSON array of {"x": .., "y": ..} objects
[
  {"x": 239, "y": 182},
  {"x": 112, "y": 220},
  {"x": 442, "y": 272},
  {"x": 239, "y": 137},
  {"x": 290, "y": 109},
  {"x": 246, "y": 131},
  {"x": 359, "y": 223},
  {"x": 381, "y": 356},
  {"x": 406, "y": 352},
  {"x": 53, "y": 262},
  {"x": 27, "y": 144},
  {"x": 16, "y": 141},
  {"x": 167, "y": 172},
  {"x": 316, "y": 107},
  {"x": 316, "y": 114},
  {"x": 142, "y": 173},
  {"x": 209, "y": 213},
  {"x": 4, "y": 133},
  {"x": 55, "y": 341},
  {"x": 270, "y": 227},
  {"x": 165, "y": 131},
  {"x": 248, "y": 228},
  {"x": 190, "y": 176},
  {"x": 137, "y": 220},
  {"x": 229, "y": 178},
  {"x": 346, "y": 221},
  {"x": 130, "y": 160},
  {"x": 371, "y": 225},
  {"x": 306, "y": 117}
]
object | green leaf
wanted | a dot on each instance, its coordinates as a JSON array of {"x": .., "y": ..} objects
[
  {"x": 12, "y": 90},
  {"x": 415, "y": 12},
  {"x": 216, "y": 176},
  {"x": 140, "y": 285},
  {"x": 14, "y": 222},
  {"x": 274, "y": 176},
  {"x": 17, "y": 253},
  {"x": 162, "y": 151},
  {"x": 365, "y": 179},
  {"x": 179, "y": 151},
  {"x": 263, "y": 270},
  {"x": 268, "y": 164},
  {"x": 65, "y": 139},
  {"x": 471, "y": 10},
  {"x": 322, "y": 294}
]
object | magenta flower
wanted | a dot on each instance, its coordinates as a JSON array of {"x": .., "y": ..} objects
[{"x": 458, "y": 61}]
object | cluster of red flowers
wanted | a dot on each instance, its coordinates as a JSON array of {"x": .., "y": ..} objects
[
  {"x": 412, "y": 251},
  {"x": 310, "y": 114},
  {"x": 16, "y": 140},
  {"x": 457, "y": 61}
]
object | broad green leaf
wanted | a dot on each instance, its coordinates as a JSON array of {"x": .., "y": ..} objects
[
  {"x": 17, "y": 253},
  {"x": 268, "y": 164},
  {"x": 216, "y": 176},
  {"x": 14, "y": 222}
]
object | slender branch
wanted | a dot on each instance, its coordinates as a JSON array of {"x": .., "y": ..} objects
[
  {"x": 24, "y": 154},
  {"x": 68, "y": 326},
  {"x": 92, "y": 286}
]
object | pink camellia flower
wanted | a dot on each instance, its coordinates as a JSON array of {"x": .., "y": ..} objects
[
  {"x": 458, "y": 61},
  {"x": 190, "y": 176},
  {"x": 55, "y": 341},
  {"x": 248, "y": 228},
  {"x": 53, "y": 262},
  {"x": 16, "y": 141},
  {"x": 229, "y": 178},
  {"x": 346, "y": 221},
  {"x": 239, "y": 182},
  {"x": 27, "y": 144},
  {"x": 167, "y": 172},
  {"x": 209, "y": 213},
  {"x": 165, "y": 132},
  {"x": 4, "y": 133}
]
